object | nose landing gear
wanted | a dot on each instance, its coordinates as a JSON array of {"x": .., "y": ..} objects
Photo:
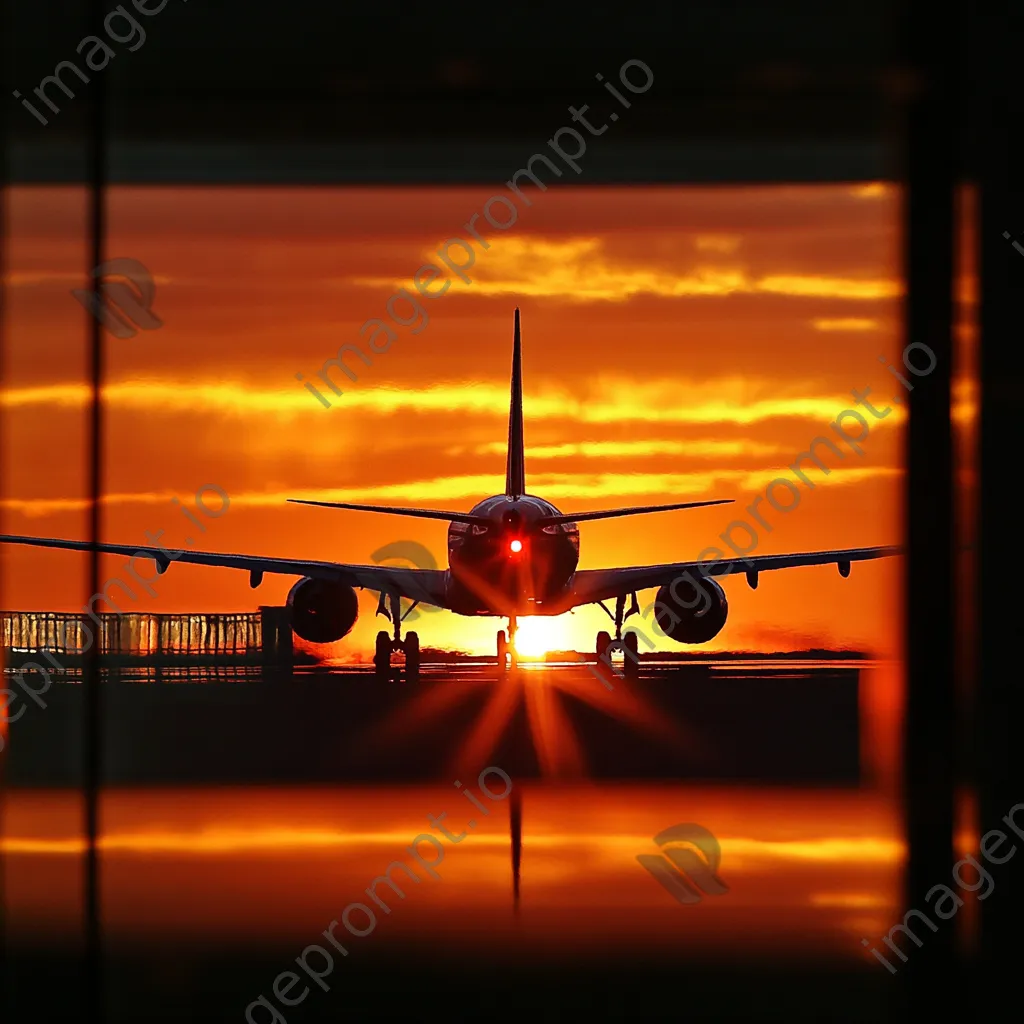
[
  {"x": 628, "y": 644},
  {"x": 507, "y": 657},
  {"x": 387, "y": 645}
]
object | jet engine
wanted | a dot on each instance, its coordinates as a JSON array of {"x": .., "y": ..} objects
[
  {"x": 691, "y": 611},
  {"x": 322, "y": 611}
]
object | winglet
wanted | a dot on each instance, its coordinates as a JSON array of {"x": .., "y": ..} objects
[{"x": 515, "y": 470}]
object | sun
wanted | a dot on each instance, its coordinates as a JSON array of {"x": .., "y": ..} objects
[{"x": 537, "y": 635}]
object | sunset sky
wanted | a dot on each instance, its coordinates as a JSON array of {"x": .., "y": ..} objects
[{"x": 678, "y": 344}]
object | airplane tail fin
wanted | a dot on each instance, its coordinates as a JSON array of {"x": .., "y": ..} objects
[{"x": 515, "y": 470}]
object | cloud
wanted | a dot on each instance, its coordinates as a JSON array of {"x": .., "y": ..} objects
[
  {"x": 849, "y": 323},
  {"x": 809, "y": 285},
  {"x": 27, "y": 278},
  {"x": 717, "y": 243},
  {"x": 582, "y": 270},
  {"x": 726, "y": 400},
  {"x": 597, "y": 489},
  {"x": 873, "y": 190},
  {"x": 651, "y": 447},
  {"x": 69, "y": 278}
]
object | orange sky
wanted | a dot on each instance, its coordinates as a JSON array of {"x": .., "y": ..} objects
[{"x": 679, "y": 344}]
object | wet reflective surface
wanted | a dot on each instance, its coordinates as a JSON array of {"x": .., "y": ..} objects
[
  {"x": 803, "y": 868},
  {"x": 191, "y": 876}
]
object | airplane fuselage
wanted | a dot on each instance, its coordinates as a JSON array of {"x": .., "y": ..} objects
[{"x": 514, "y": 564}]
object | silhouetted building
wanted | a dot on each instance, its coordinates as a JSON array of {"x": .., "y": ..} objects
[{"x": 262, "y": 638}]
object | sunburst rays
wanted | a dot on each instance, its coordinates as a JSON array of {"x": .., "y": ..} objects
[{"x": 542, "y": 695}]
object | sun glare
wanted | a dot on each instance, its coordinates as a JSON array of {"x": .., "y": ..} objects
[{"x": 538, "y": 635}]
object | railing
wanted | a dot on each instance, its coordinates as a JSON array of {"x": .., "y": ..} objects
[{"x": 137, "y": 634}]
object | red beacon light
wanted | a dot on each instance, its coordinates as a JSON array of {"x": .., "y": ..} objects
[{"x": 515, "y": 546}]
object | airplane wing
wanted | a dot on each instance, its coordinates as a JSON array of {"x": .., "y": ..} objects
[
  {"x": 425, "y": 585},
  {"x": 590, "y": 585}
]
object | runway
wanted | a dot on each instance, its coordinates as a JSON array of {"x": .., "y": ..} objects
[{"x": 753, "y": 721}]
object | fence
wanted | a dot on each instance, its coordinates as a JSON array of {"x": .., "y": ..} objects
[{"x": 244, "y": 636}]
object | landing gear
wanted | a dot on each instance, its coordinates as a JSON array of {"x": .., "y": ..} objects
[
  {"x": 631, "y": 658},
  {"x": 507, "y": 646},
  {"x": 386, "y": 644},
  {"x": 382, "y": 655},
  {"x": 628, "y": 644},
  {"x": 412, "y": 657}
]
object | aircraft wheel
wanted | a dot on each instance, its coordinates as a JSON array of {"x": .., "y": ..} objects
[
  {"x": 412, "y": 657},
  {"x": 502, "y": 649},
  {"x": 603, "y": 640},
  {"x": 631, "y": 657},
  {"x": 382, "y": 655}
]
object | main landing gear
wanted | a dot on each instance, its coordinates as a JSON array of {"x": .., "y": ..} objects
[
  {"x": 628, "y": 644},
  {"x": 507, "y": 658},
  {"x": 386, "y": 644}
]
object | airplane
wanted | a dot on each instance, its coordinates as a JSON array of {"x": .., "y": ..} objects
[{"x": 512, "y": 554}]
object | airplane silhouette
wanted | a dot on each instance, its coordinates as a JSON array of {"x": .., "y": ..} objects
[{"x": 511, "y": 554}]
